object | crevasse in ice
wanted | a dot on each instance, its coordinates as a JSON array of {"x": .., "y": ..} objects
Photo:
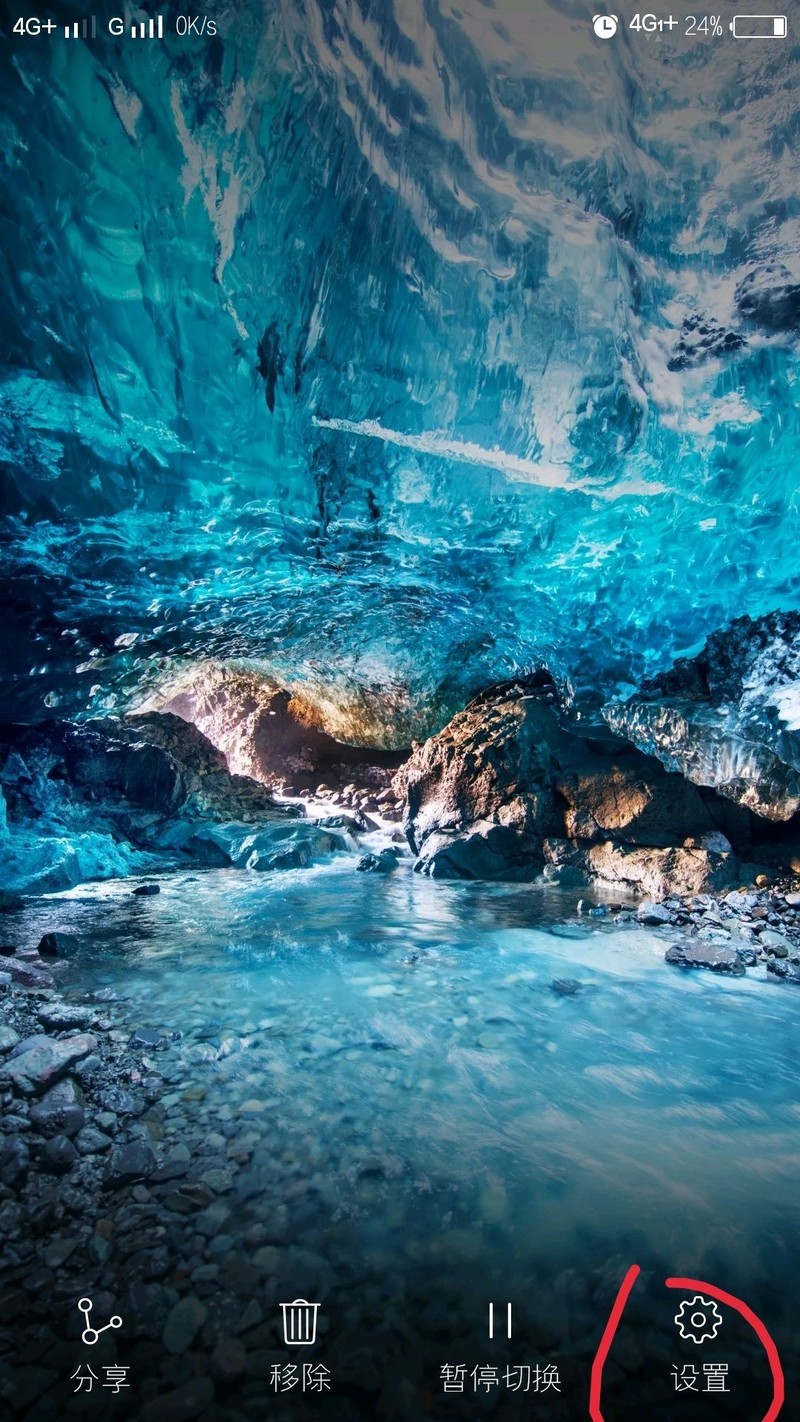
[{"x": 392, "y": 348}]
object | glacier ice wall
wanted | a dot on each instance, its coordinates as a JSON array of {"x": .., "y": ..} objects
[{"x": 391, "y": 347}]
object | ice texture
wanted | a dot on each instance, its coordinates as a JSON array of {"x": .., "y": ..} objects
[{"x": 389, "y": 348}]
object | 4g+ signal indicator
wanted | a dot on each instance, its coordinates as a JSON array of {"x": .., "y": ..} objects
[{"x": 692, "y": 24}]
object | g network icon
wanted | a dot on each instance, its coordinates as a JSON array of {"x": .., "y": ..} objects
[{"x": 605, "y": 26}]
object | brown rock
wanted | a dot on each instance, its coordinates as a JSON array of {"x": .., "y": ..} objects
[
  {"x": 658, "y": 873},
  {"x": 632, "y": 800},
  {"x": 479, "y": 795}
]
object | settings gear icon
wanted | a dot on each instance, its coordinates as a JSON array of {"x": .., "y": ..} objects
[{"x": 698, "y": 1319}]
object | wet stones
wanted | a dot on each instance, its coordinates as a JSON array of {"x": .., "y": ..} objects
[
  {"x": 176, "y": 1164},
  {"x": 566, "y": 987},
  {"x": 59, "y": 945},
  {"x": 37, "y": 1062},
  {"x": 58, "y": 1155},
  {"x": 184, "y": 1402},
  {"x": 228, "y": 1360},
  {"x": 128, "y": 1163},
  {"x": 150, "y": 1039},
  {"x": 118, "y": 1102},
  {"x": 716, "y": 957},
  {"x": 787, "y": 972},
  {"x": 29, "y": 975},
  {"x": 61, "y": 1016},
  {"x": 8, "y": 1037},
  {"x": 15, "y": 1160},
  {"x": 91, "y": 1141},
  {"x": 383, "y": 863},
  {"x": 60, "y": 1111},
  {"x": 776, "y": 944},
  {"x": 653, "y": 914}
]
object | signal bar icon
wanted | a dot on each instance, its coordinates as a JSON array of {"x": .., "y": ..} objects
[
  {"x": 81, "y": 29},
  {"x": 148, "y": 29}
]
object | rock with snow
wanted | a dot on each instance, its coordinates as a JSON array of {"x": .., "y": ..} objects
[{"x": 729, "y": 718}]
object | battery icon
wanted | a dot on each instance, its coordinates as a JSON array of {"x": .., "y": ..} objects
[{"x": 759, "y": 27}]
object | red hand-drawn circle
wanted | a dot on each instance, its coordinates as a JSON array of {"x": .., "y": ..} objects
[{"x": 743, "y": 1309}]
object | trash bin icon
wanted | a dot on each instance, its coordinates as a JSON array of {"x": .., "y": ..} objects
[{"x": 299, "y": 1322}]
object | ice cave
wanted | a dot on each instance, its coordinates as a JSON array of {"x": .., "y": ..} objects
[{"x": 399, "y": 705}]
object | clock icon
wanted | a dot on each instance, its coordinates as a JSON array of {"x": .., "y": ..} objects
[{"x": 605, "y": 26}]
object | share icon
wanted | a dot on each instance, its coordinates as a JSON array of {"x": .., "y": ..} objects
[{"x": 90, "y": 1335}]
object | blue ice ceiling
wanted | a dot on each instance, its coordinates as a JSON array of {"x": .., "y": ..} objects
[{"x": 391, "y": 348}]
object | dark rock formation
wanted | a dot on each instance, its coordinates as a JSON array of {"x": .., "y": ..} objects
[
  {"x": 383, "y": 863},
  {"x": 768, "y": 296},
  {"x": 506, "y": 791},
  {"x": 730, "y": 717},
  {"x": 480, "y": 795},
  {"x": 717, "y": 957},
  {"x": 702, "y": 338}
]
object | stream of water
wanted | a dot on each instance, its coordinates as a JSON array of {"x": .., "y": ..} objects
[{"x": 450, "y": 1094}]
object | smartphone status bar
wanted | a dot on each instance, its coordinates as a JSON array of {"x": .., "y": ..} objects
[
  {"x": 741, "y": 27},
  {"x": 117, "y": 26}
]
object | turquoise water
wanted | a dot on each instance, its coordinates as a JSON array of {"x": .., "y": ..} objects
[{"x": 435, "y": 1121}]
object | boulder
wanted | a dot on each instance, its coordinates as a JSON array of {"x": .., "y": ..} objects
[
  {"x": 659, "y": 873},
  {"x": 29, "y": 975},
  {"x": 507, "y": 790},
  {"x": 36, "y": 1063},
  {"x": 482, "y": 792},
  {"x": 787, "y": 972},
  {"x": 194, "y": 774},
  {"x": 716, "y": 957},
  {"x": 484, "y": 851},
  {"x": 632, "y": 800},
  {"x": 58, "y": 1155},
  {"x": 653, "y": 914},
  {"x": 59, "y": 945},
  {"x": 383, "y": 863},
  {"x": 15, "y": 1160},
  {"x": 60, "y": 1111},
  {"x": 128, "y": 1163},
  {"x": 768, "y": 296}
]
